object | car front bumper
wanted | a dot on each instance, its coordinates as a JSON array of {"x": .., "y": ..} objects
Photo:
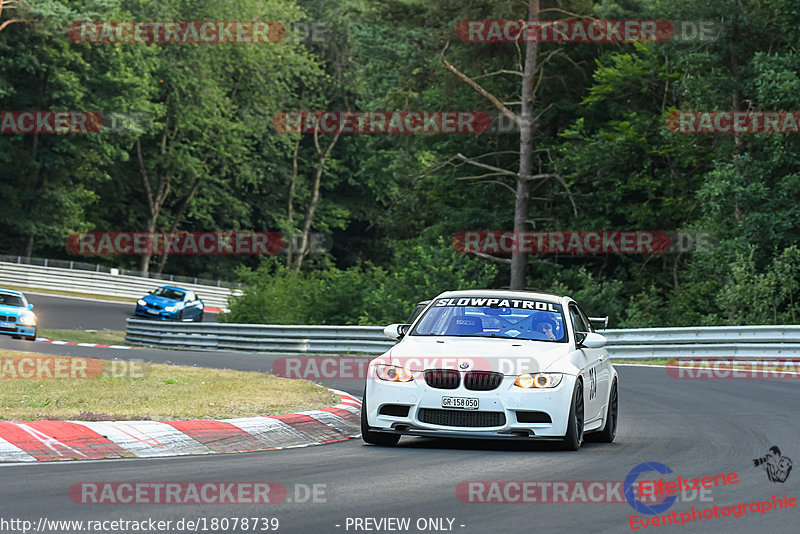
[
  {"x": 16, "y": 329},
  {"x": 501, "y": 412},
  {"x": 143, "y": 311}
]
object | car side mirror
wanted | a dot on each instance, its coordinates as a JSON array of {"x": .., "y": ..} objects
[
  {"x": 30, "y": 306},
  {"x": 396, "y": 331},
  {"x": 593, "y": 340}
]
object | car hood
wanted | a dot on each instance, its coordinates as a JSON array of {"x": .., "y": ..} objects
[
  {"x": 508, "y": 356},
  {"x": 12, "y": 310},
  {"x": 161, "y": 301}
]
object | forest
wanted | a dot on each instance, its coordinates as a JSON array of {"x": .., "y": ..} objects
[{"x": 577, "y": 135}]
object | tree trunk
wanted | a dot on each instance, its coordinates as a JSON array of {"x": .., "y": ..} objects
[
  {"x": 312, "y": 207},
  {"x": 154, "y": 201},
  {"x": 178, "y": 218},
  {"x": 290, "y": 208},
  {"x": 522, "y": 197}
]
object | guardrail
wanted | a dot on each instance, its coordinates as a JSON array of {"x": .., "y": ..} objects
[
  {"x": 260, "y": 338},
  {"x": 96, "y": 267},
  {"x": 100, "y": 283},
  {"x": 728, "y": 341}
]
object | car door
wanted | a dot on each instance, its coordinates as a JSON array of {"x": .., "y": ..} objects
[
  {"x": 604, "y": 371},
  {"x": 191, "y": 306},
  {"x": 592, "y": 364}
]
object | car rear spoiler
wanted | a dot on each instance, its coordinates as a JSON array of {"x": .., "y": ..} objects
[{"x": 599, "y": 322}]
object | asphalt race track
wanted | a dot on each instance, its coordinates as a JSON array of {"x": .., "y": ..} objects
[
  {"x": 695, "y": 427},
  {"x": 80, "y": 314}
]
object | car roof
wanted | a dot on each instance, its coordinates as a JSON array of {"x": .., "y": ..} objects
[
  {"x": 507, "y": 293},
  {"x": 175, "y": 288},
  {"x": 12, "y": 292}
]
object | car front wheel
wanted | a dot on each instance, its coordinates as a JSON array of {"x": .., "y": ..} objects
[
  {"x": 574, "y": 437},
  {"x": 370, "y": 436}
]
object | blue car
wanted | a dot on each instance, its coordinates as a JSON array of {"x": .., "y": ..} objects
[
  {"x": 16, "y": 317},
  {"x": 170, "y": 303}
]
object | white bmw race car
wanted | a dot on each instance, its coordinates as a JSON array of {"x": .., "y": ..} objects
[{"x": 493, "y": 364}]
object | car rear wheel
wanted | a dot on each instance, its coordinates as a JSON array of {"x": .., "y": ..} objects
[
  {"x": 199, "y": 318},
  {"x": 14, "y": 336},
  {"x": 608, "y": 434},
  {"x": 370, "y": 436},
  {"x": 574, "y": 437}
]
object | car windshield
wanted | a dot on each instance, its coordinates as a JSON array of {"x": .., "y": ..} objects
[
  {"x": 494, "y": 317},
  {"x": 168, "y": 293},
  {"x": 7, "y": 299}
]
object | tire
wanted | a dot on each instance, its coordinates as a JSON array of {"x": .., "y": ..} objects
[
  {"x": 199, "y": 317},
  {"x": 15, "y": 336},
  {"x": 374, "y": 438},
  {"x": 608, "y": 433},
  {"x": 574, "y": 438},
  {"x": 179, "y": 317}
]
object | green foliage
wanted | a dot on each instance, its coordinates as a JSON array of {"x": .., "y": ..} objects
[
  {"x": 365, "y": 295},
  {"x": 768, "y": 297},
  {"x": 393, "y": 202}
]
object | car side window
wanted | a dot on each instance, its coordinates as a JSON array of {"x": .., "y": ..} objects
[
  {"x": 579, "y": 324},
  {"x": 586, "y": 320}
]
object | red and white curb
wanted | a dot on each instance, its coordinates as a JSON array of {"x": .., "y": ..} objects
[
  {"x": 31, "y": 441},
  {"x": 76, "y": 344}
]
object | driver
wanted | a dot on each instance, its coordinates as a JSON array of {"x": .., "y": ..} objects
[
  {"x": 546, "y": 328},
  {"x": 543, "y": 325}
]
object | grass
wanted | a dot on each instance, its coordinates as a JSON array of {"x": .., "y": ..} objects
[
  {"x": 157, "y": 392},
  {"x": 101, "y": 337},
  {"x": 71, "y": 294}
]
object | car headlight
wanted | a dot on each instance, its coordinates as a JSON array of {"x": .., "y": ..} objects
[
  {"x": 538, "y": 380},
  {"x": 140, "y": 302},
  {"x": 392, "y": 373},
  {"x": 29, "y": 319},
  {"x": 171, "y": 308}
]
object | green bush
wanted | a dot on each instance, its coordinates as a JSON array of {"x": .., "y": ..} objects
[{"x": 363, "y": 295}]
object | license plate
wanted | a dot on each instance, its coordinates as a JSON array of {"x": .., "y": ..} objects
[
  {"x": 154, "y": 312},
  {"x": 7, "y": 325},
  {"x": 460, "y": 403}
]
